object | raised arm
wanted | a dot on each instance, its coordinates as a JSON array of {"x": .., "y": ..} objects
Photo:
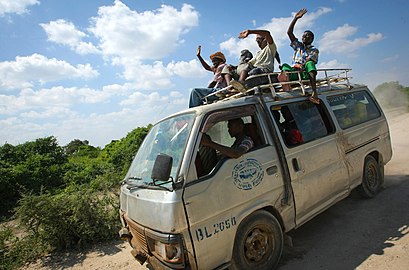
[
  {"x": 264, "y": 33},
  {"x": 290, "y": 31},
  {"x": 202, "y": 61}
]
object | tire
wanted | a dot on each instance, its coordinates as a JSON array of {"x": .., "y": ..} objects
[
  {"x": 259, "y": 243},
  {"x": 372, "y": 178}
]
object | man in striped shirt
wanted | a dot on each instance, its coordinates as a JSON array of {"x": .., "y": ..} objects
[
  {"x": 305, "y": 58},
  {"x": 241, "y": 145}
]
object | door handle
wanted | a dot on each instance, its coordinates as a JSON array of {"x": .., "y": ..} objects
[
  {"x": 272, "y": 170},
  {"x": 296, "y": 166}
]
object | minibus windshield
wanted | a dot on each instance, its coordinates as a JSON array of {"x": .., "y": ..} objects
[{"x": 166, "y": 137}]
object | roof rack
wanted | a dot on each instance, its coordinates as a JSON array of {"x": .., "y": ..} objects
[{"x": 327, "y": 80}]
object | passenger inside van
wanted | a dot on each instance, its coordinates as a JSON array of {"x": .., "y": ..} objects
[
  {"x": 241, "y": 145},
  {"x": 207, "y": 156},
  {"x": 288, "y": 128}
]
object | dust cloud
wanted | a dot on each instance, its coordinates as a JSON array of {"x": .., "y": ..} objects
[
  {"x": 390, "y": 96},
  {"x": 395, "y": 104}
]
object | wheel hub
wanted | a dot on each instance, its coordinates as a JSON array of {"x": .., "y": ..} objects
[
  {"x": 371, "y": 177},
  {"x": 257, "y": 245}
]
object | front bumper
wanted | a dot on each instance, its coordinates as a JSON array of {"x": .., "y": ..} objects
[{"x": 138, "y": 237}]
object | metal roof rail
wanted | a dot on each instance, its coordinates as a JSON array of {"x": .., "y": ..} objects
[{"x": 268, "y": 83}]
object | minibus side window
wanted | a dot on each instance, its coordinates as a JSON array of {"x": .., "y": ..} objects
[
  {"x": 301, "y": 122},
  {"x": 353, "y": 108},
  {"x": 207, "y": 159}
]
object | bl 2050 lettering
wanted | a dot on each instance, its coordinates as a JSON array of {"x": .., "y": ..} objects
[{"x": 209, "y": 231}]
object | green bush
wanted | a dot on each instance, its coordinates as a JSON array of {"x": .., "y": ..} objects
[
  {"x": 64, "y": 197},
  {"x": 31, "y": 166},
  {"x": 73, "y": 218}
]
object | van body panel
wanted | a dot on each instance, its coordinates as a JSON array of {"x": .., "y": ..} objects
[
  {"x": 150, "y": 207},
  {"x": 362, "y": 140},
  {"x": 321, "y": 177},
  {"x": 238, "y": 188}
]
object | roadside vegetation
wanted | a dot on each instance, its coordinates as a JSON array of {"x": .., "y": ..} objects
[{"x": 58, "y": 198}]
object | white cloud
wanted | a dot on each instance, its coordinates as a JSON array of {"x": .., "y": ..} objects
[
  {"x": 234, "y": 46},
  {"x": 392, "y": 58},
  {"x": 147, "y": 35},
  {"x": 191, "y": 69},
  {"x": 138, "y": 98},
  {"x": 57, "y": 112},
  {"x": 65, "y": 33},
  {"x": 144, "y": 76},
  {"x": 16, "y": 6},
  {"x": 118, "y": 89},
  {"x": 157, "y": 75},
  {"x": 99, "y": 128},
  {"x": 131, "y": 39},
  {"x": 139, "y": 111},
  {"x": 29, "y": 100},
  {"x": 337, "y": 41},
  {"x": 16, "y": 130},
  {"x": 154, "y": 99},
  {"x": 331, "y": 64},
  {"x": 27, "y": 70}
]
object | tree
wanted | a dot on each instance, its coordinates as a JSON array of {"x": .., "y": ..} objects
[
  {"x": 121, "y": 153},
  {"x": 30, "y": 167},
  {"x": 73, "y": 146}
]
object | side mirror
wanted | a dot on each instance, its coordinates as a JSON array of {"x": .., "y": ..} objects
[{"x": 161, "y": 168}]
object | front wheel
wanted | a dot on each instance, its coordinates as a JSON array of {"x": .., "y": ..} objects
[
  {"x": 258, "y": 243},
  {"x": 372, "y": 178}
]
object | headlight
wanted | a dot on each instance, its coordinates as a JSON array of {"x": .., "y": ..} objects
[
  {"x": 171, "y": 253},
  {"x": 167, "y": 248}
]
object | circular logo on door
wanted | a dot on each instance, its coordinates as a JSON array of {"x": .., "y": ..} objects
[{"x": 247, "y": 174}]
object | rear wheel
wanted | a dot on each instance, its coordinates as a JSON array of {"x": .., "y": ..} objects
[
  {"x": 258, "y": 243},
  {"x": 372, "y": 178}
]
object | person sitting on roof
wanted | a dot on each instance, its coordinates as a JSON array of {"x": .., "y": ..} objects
[
  {"x": 305, "y": 58},
  {"x": 219, "y": 82},
  {"x": 231, "y": 72},
  {"x": 263, "y": 62}
]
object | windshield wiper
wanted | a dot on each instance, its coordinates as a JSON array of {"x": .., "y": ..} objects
[
  {"x": 133, "y": 178},
  {"x": 126, "y": 181},
  {"x": 161, "y": 186},
  {"x": 135, "y": 186},
  {"x": 147, "y": 184}
]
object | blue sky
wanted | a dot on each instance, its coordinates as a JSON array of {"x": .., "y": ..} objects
[{"x": 95, "y": 70}]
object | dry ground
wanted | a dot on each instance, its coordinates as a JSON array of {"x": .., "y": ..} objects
[{"x": 353, "y": 234}]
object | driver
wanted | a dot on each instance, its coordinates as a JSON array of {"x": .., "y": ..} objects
[{"x": 241, "y": 145}]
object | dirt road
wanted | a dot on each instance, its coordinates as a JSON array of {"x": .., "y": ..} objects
[{"x": 353, "y": 234}]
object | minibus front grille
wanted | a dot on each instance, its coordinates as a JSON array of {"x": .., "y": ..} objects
[{"x": 138, "y": 240}]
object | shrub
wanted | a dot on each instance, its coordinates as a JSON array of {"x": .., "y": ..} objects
[
  {"x": 30, "y": 166},
  {"x": 74, "y": 218}
]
